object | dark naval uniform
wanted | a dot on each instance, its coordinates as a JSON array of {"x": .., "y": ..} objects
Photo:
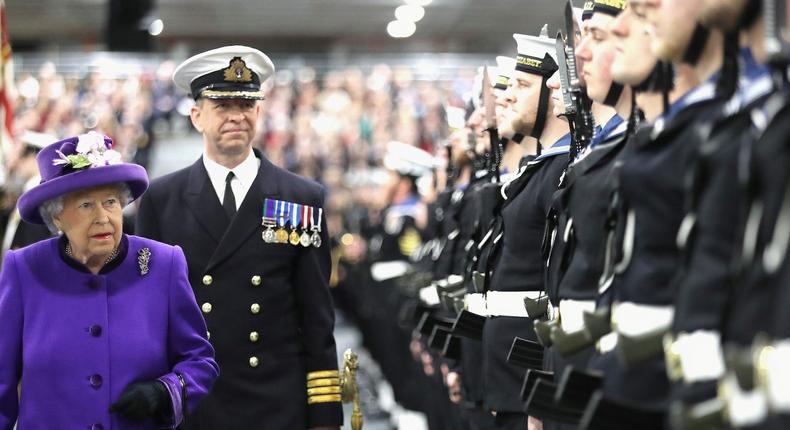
[
  {"x": 267, "y": 305},
  {"x": 575, "y": 259},
  {"x": 264, "y": 293},
  {"x": 519, "y": 268},
  {"x": 708, "y": 288},
  {"x": 643, "y": 287}
]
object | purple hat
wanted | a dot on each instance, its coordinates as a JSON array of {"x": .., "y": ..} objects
[{"x": 77, "y": 163}]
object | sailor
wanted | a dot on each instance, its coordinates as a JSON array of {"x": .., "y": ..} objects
[
  {"x": 710, "y": 241},
  {"x": 515, "y": 269},
  {"x": 651, "y": 199}
]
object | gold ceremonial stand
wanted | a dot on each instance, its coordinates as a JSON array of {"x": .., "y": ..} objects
[{"x": 349, "y": 387}]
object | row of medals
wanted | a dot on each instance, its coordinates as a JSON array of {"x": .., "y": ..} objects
[{"x": 281, "y": 235}]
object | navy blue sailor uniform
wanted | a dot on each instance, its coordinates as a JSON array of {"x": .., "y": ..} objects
[
  {"x": 651, "y": 185},
  {"x": 518, "y": 272},
  {"x": 771, "y": 257},
  {"x": 757, "y": 303},
  {"x": 709, "y": 298},
  {"x": 575, "y": 260}
]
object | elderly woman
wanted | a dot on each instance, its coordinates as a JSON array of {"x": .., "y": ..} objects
[{"x": 100, "y": 328}]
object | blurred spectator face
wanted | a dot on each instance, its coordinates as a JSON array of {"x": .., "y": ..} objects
[
  {"x": 228, "y": 125},
  {"x": 596, "y": 51},
  {"x": 459, "y": 147},
  {"x": 722, "y": 14},
  {"x": 475, "y": 130},
  {"x": 632, "y": 62},
  {"x": 524, "y": 95},
  {"x": 672, "y": 23},
  {"x": 397, "y": 186}
]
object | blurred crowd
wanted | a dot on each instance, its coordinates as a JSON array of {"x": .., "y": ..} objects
[{"x": 331, "y": 126}]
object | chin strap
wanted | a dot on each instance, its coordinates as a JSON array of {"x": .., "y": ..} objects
[
  {"x": 728, "y": 78},
  {"x": 751, "y": 11},
  {"x": 615, "y": 91},
  {"x": 543, "y": 110},
  {"x": 696, "y": 45}
]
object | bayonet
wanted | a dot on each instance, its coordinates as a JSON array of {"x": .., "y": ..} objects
[{"x": 489, "y": 106}]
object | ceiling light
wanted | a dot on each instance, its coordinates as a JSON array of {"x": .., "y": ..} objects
[
  {"x": 410, "y": 13},
  {"x": 401, "y": 29},
  {"x": 418, "y": 2},
  {"x": 156, "y": 27}
]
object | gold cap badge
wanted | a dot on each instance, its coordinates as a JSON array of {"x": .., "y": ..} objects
[{"x": 237, "y": 71}]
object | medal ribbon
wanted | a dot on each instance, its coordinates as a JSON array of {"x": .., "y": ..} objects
[
  {"x": 307, "y": 210},
  {"x": 268, "y": 209},
  {"x": 296, "y": 216}
]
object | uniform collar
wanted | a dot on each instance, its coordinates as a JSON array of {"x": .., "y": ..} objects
[
  {"x": 244, "y": 172},
  {"x": 697, "y": 95},
  {"x": 610, "y": 129},
  {"x": 613, "y": 129},
  {"x": 561, "y": 146}
]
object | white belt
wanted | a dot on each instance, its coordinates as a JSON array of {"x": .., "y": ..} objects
[
  {"x": 636, "y": 320},
  {"x": 429, "y": 295},
  {"x": 572, "y": 312},
  {"x": 385, "y": 270},
  {"x": 744, "y": 408},
  {"x": 777, "y": 372},
  {"x": 500, "y": 303},
  {"x": 700, "y": 355},
  {"x": 476, "y": 304}
]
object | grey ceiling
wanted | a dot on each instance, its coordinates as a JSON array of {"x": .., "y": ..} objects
[{"x": 293, "y": 25}]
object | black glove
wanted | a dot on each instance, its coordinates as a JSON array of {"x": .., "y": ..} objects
[{"x": 143, "y": 400}]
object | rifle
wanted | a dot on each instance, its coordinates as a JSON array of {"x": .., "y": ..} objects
[{"x": 574, "y": 96}]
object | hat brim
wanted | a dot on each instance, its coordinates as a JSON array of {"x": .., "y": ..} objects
[
  {"x": 218, "y": 94},
  {"x": 133, "y": 175}
]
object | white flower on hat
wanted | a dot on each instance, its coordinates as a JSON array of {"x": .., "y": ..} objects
[
  {"x": 91, "y": 151},
  {"x": 88, "y": 142}
]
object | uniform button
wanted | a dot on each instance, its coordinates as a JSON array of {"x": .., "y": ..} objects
[
  {"x": 94, "y": 283},
  {"x": 254, "y": 336},
  {"x": 255, "y": 308},
  {"x": 96, "y": 427},
  {"x": 253, "y": 361},
  {"x": 206, "y": 307},
  {"x": 208, "y": 335},
  {"x": 256, "y": 280},
  {"x": 207, "y": 280},
  {"x": 95, "y": 380},
  {"x": 95, "y": 330}
]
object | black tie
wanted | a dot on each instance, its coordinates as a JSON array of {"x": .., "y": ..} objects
[{"x": 229, "y": 203}]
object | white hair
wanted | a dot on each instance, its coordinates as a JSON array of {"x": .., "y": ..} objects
[{"x": 54, "y": 206}]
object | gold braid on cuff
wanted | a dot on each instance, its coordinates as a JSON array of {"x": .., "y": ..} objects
[{"x": 323, "y": 386}]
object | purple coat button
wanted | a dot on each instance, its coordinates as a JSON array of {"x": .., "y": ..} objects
[
  {"x": 94, "y": 283},
  {"x": 95, "y": 330},
  {"x": 96, "y": 427},
  {"x": 96, "y": 381}
]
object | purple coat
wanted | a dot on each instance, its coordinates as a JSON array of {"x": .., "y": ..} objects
[{"x": 77, "y": 340}]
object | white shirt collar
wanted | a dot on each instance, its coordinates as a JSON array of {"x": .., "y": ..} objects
[{"x": 245, "y": 174}]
